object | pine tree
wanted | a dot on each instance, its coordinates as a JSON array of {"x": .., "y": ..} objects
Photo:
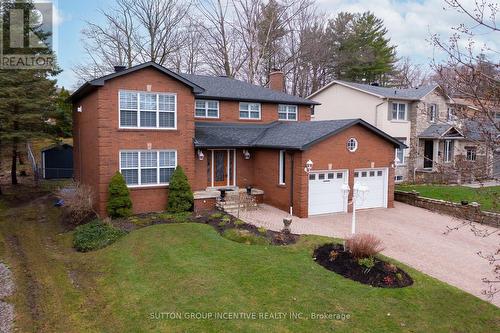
[
  {"x": 180, "y": 196},
  {"x": 119, "y": 202},
  {"x": 360, "y": 48},
  {"x": 26, "y": 95}
]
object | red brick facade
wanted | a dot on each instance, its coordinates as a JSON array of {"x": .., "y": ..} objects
[{"x": 98, "y": 140}]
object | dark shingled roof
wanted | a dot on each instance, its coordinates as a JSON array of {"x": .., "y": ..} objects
[
  {"x": 413, "y": 94},
  {"x": 480, "y": 130},
  {"x": 437, "y": 131},
  {"x": 282, "y": 135},
  {"x": 210, "y": 87}
]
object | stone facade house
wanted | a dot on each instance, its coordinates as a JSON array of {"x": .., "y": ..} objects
[
  {"x": 442, "y": 146},
  {"x": 227, "y": 135}
]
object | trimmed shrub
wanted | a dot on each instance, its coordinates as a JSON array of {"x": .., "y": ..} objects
[
  {"x": 245, "y": 237},
  {"x": 364, "y": 246},
  {"x": 119, "y": 202},
  {"x": 180, "y": 196},
  {"x": 95, "y": 235}
]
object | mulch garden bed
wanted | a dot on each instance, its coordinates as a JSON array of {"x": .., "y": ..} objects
[
  {"x": 384, "y": 275},
  {"x": 219, "y": 220}
]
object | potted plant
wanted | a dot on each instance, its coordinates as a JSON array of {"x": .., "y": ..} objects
[
  {"x": 222, "y": 194},
  {"x": 249, "y": 189}
]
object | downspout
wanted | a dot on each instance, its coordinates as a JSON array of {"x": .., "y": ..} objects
[
  {"x": 376, "y": 111},
  {"x": 291, "y": 182}
]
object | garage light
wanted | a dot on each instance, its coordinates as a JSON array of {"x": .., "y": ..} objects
[{"x": 309, "y": 166}]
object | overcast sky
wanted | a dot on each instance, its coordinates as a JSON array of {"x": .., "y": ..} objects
[{"x": 409, "y": 22}]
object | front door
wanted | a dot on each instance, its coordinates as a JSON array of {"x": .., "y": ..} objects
[
  {"x": 428, "y": 154},
  {"x": 220, "y": 168}
]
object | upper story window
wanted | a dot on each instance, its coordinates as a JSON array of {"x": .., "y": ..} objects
[
  {"x": 451, "y": 114},
  {"x": 147, "y": 110},
  {"x": 398, "y": 111},
  {"x": 206, "y": 109},
  {"x": 432, "y": 112},
  {"x": 287, "y": 112},
  {"x": 149, "y": 167},
  {"x": 249, "y": 110}
]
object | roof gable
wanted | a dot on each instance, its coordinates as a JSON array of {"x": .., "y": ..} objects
[{"x": 412, "y": 94}]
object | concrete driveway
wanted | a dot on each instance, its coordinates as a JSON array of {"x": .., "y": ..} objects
[{"x": 411, "y": 235}]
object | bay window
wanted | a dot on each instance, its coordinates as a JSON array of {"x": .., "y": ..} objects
[
  {"x": 147, "y": 110},
  {"x": 148, "y": 167}
]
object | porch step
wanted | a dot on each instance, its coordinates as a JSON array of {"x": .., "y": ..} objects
[{"x": 237, "y": 200}]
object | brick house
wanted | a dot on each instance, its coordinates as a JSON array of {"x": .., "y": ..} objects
[
  {"x": 226, "y": 134},
  {"x": 442, "y": 146}
]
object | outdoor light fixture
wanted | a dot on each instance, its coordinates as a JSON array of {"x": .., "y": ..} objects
[
  {"x": 246, "y": 154},
  {"x": 309, "y": 166},
  {"x": 200, "y": 155},
  {"x": 359, "y": 192}
]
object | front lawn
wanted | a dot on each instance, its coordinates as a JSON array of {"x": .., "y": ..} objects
[
  {"x": 153, "y": 278},
  {"x": 488, "y": 197}
]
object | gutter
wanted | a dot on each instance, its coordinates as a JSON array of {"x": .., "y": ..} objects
[{"x": 376, "y": 110}]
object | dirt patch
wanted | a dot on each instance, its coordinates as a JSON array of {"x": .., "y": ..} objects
[{"x": 382, "y": 274}]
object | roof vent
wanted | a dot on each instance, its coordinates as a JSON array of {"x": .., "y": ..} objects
[{"x": 120, "y": 68}]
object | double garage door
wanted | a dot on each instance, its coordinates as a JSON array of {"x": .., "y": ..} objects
[{"x": 326, "y": 195}]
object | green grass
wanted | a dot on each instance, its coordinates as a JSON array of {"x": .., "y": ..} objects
[
  {"x": 188, "y": 268},
  {"x": 488, "y": 197}
]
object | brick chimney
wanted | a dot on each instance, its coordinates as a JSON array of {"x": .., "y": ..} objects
[{"x": 277, "y": 80}]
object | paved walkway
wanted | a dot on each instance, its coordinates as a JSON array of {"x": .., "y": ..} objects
[
  {"x": 489, "y": 183},
  {"x": 411, "y": 235}
]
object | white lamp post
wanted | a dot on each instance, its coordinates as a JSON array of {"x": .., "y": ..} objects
[
  {"x": 358, "y": 193},
  {"x": 345, "y": 190}
]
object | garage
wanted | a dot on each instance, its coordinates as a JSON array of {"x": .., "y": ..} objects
[
  {"x": 325, "y": 192},
  {"x": 376, "y": 181}
]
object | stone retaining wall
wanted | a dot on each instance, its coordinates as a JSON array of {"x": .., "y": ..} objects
[{"x": 467, "y": 212}]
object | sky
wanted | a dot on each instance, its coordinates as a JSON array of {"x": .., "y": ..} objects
[{"x": 410, "y": 23}]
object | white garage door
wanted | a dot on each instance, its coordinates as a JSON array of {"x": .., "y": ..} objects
[
  {"x": 325, "y": 192},
  {"x": 376, "y": 182}
]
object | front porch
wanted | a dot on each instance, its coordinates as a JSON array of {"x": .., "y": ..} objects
[{"x": 228, "y": 199}]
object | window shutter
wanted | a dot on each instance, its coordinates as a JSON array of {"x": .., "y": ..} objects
[
  {"x": 436, "y": 117},
  {"x": 407, "y": 113},
  {"x": 389, "y": 113}
]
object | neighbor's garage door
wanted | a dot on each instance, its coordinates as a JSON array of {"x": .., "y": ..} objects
[
  {"x": 376, "y": 181},
  {"x": 325, "y": 192}
]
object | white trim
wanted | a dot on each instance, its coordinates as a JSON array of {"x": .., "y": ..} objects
[
  {"x": 212, "y": 165},
  {"x": 158, "y": 167},
  {"x": 249, "y": 111},
  {"x": 234, "y": 171},
  {"x": 228, "y": 168},
  {"x": 355, "y": 147},
  {"x": 206, "y": 108},
  {"x": 138, "y": 110}
]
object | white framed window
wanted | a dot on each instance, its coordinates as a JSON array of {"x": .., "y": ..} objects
[
  {"x": 147, "y": 110},
  {"x": 352, "y": 144},
  {"x": 282, "y": 165},
  {"x": 448, "y": 150},
  {"x": 398, "y": 111},
  {"x": 400, "y": 152},
  {"x": 398, "y": 178},
  {"x": 432, "y": 112},
  {"x": 249, "y": 110},
  {"x": 206, "y": 109},
  {"x": 287, "y": 112},
  {"x": 147, "y": 167},
  {"x": 451, "y": 114},
  {"x": 470, "y": 153}
]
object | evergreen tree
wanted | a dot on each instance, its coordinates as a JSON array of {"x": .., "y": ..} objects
[
  {"x": 26, "y": 95},
  {"x": 119, "y": 202},
  {"x": 180, "y": 196},
  {"x": 360, "y": 48},
  {"x": 63, "y": 115}
]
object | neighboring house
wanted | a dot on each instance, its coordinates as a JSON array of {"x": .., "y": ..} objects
[
  {"x": 226, "y": 134},
  {"x": 422, "y": 118}
]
